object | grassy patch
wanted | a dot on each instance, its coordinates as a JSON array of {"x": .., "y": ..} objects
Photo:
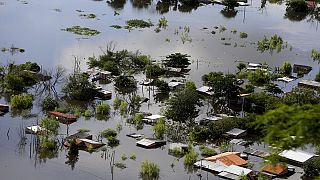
[
  {"x": 243, "y": 35},
  {"x": 82, "y": 31},
  {"x": 139, "y": 23},
  {"x": 116, "y": 26}
]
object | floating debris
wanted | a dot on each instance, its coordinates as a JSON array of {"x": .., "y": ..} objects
[
  {"x": 116, "y": 26},
  {"x": 88, "y": 16},
  {"x": 139, "y": 23}
]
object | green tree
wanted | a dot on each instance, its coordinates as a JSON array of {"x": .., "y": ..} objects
[
  {"x": 162, "y": 86},
  {"x": 273, "y": 89},
  {"x": 23, "y": 101},
  {"x": 154, "y": 70},
  {"x": 124, "y": 81},
  {"x": 312, "y": 167},
  {"x": 49, "y": 103},
  {"x": 317, "y": 77},
  {"x": 259, "y": 77},
  {"x": 182, "y": 107},
  {"x": 241, "y": 66},
  {"x": 79, "y": 88},
  {"x": 14, "y": 82},
  {"x": 177, "y": 60},
  {"x": 301, "y": 96},
  {"x": 261, "y": 102},
  {"x": 291, "y": 126},
  {"x": 51, "y": 125}
]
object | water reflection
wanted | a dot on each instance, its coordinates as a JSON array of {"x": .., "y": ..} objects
[
  {"x": 140, "y": 4},
  {"x": 229, "y": 12},
  {"x": 117, "y": 4}
]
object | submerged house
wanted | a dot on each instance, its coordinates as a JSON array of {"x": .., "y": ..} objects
[
  {"x": 205, "y": 90},
  {"x": 64, "y": 118},
  {"x": 276, "y": 170},
  {"x": 4, "y": 108},
  {"x": 236, "y": 132},
  {"x": 104, "y": 94},
  {"x": 150, "y": 143},
  {"x": 228, "y": 159},
  {"x": 153, "y": 118},
  {"x": 309, "y": 84},
  {"x": 296, "y": 157},
  {"x": 235, "y": 172}
]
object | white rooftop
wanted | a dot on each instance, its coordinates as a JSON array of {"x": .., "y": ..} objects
[
  {"x": 146, "y": 142},
  {"x": 297, "y": 155},
  {"x": 174, "y": 84},
  {"x": 235, "y": 131},
  {"x": 35, "y": 129},
  {"x": 255, "y": 64},
  {"x": 217, "y": 166},
  {"x": 154, "y": 117},
  {"x": 205, "y": 89},
  {"x": 285, "y": 79},
  {"x": 237, "y": 170}
]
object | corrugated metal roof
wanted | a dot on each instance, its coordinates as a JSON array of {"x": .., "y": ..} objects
[
  {"x": 213, "y": 166},
  {"x": 297, "y": 155},
  {"x": 237, "y": 170},
  {"x": 275, "y": 169}
]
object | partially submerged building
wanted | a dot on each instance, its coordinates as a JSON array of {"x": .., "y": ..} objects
[{"x": 150, "y": 143}]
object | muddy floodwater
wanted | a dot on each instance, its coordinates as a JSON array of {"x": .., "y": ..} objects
[{"x": 36, "y": 26}]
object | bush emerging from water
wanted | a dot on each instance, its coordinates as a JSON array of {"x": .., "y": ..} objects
[
  {"x": 109, "y": 133},
  {"x": 139, "y": 23},
  {"x": 103, "y": 109},
  {"x": 243, "y": 35},
  {"x": 23, "y": 101},
  {"x": 206, "y": 151},
  {"x": 191, "y": 156},
  {"x": 149, "y": 171},
  {"x": 82, "y": 31},
  {"x": 49, "y": 103}
]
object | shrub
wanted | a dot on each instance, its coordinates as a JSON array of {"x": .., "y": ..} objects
[
  {"x": 154, "y": 70},
  {"x": 103, "y": 109},
  {"x": 109, "y": 133},
  {"x": 241, "y": 66},
  {"x": 123, "y": 107},
  {"x": 137, "y": 119},
  {"x": 87, "y": 113},
  {"x": 120, "y": 165},
  {"x": 176, "y": 152},
  {"x": 124, "y": 157},
  {"x": 133, "y": 157},
  {"x": 317, "y": 77},
  {"x": 312, "y": 167},
  {"x": 259, "y": 77},
  {"x": 149, "y": 170},
  {"x": 286, "y": 68},
  {"x": 206, "y": 151},
  {"x": 23, "y": 101},
  {"x": 83, "y": 130},
  {"x": 14, "y": 82},
  {"x": 190, "y": 157},
  {"x": 243, "y": 35},
  {"x": 112, "y": 141},
  {"x": 49, "y": 103},
  {"x": 116, "y": 103},
  {"x": 160, "y": 128},
  {"x": 51, "y": 125},
  {"x": 315, "y": 54}
]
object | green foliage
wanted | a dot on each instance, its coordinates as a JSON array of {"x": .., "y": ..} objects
[
  {"x": 160, "y": 128},
  {"x": 291, "y": 126},
  {"x": 261, "y": 102},
  {"x": 163, "y": 23},
  {"x": 47, "y": 143},
  {"x": 182, "y": 107},
  {"x": 113, "y": 142},
  {"x": 116, "y": 26},
  {"x": 23, "y": 101},
  {"x": 190, "y": 85},
  {"x": 296, "y": 10},
  {"x": 14, "y": 82},
  {"x": 241, "y": 66},
  {"x": 109, "y": 133},
  {"x": 79, "y": 88},
  {"x": 312, "y": 167},
  {"x": 243, "y": 35},
  {"x": 125, "y": 82},
  {"x": 123, "y": 107},
  {"x": 124, "y": 157},
  {"x": 51, "y": 125},
  {"x": 149, "y": 170},
  {"x": 189, "y": 2},
  {"x": 317, "y": 77},
  {"x": 315, "y": 55},
  {"x": 190, "y": 157},
  {"x": 138, "y": 23},
  {"x": 120, "y": 165},
  {"x": 116, "y": 103},
  {"x": 87, "y": 113},
  {"x": 249, "y": 88},
  {"x": 133, "y": 157},
  {"x": 259, "y": 77},
  {"x": 103, "y": 109},
  {"x": 82, "y": 31},
  {"x": 301, "y": 96},
  {"x": 206, "y": 151},
  {"x": 286, "y": 68},
  {"x": 83, "y": 130},
  {"x": 154, "y": 70},
  {"x": 49, "y": 103},
  {"x": 275, "y": 42},
  {"x": 230, "y": 3},
  {"x": 162, "y": 86},
  {"x": 29, "y": 66},
  {"x": 176, "y": 152},
  {"x": 137, "y": 119},
  {"x": 119, "y": 127},
  {"x": 223, "y": 86},
  {"x": 273, "y": 89},
  {"x": 177, "y": 60}
]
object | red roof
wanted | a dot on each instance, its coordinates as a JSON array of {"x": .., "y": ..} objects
[
  {"x": 232, "y": 159},
  {"x": 276, "y": 169},
  {"x": 63, "y": 115}
]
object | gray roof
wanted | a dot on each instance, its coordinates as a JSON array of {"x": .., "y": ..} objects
[
  {"x": 235, "y": 132},
  {"x": 297, "y": 155},
  {"x": 213, "y": 166}
]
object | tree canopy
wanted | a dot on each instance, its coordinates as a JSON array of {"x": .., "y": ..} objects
[
  {"x": 177, "y": 60},
  {"x": 79, "y": 88}
]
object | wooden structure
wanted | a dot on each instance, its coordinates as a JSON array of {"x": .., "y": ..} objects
[{"x": 63, "y": 118}]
